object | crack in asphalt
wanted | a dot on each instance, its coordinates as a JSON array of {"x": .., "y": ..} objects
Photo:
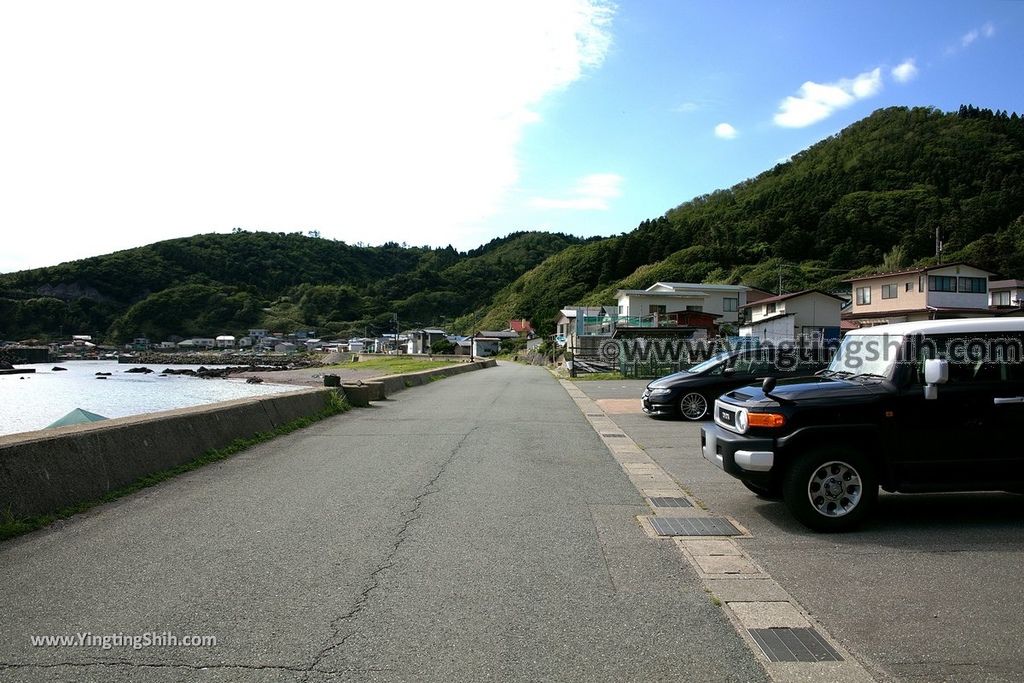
[
  {"x": 189, "y": 667},
  {"x": 373, "y": 581}
]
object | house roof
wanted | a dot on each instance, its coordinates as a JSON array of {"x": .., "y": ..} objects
[
  {"x": 1005, "y": 284},
  {"x": 647, "y": 292},
  {"x": 696, "y": 285},
  {"x": 777, "y": 316},
  {"x": 496, "y": 334},
  {"x": 792, "y": 295},
  {"x": 915, "y": 271}
]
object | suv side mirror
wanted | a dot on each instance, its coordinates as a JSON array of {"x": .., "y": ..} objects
[
  {"x": 729, "y": 371},
  {"x": 936, "y": 372}
]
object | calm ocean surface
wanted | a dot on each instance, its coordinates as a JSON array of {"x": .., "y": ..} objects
[{"x": 45, "y": 396}]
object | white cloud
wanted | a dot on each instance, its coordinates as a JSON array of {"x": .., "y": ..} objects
[
  {"x": 687, "y": 107},
  {"x": 591, "y": 193},
  {"x": 725, "y": 131},
  {"x": 366, "y": 121},
  {"x": 905, "y": 72},
  {"x": 987, "y": 30},
  {"x": 817, "y": 101}
]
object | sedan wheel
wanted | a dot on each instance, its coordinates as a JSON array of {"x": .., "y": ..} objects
[{"x": 693, "y": 406}]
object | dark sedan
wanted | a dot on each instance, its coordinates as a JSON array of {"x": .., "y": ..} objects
[{"x": 691, "y": 393}]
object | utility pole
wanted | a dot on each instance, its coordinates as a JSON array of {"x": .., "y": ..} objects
[{"x": 938, "y": 247}]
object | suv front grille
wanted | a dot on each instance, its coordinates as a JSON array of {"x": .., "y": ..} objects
[{"x": 725, "y": 416}]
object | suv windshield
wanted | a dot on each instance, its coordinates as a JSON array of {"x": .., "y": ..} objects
[{"x": 873, "y": 355}]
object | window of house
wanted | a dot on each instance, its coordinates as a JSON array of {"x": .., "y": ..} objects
[
  {"x": 909, "y": 287},
  {"x": 973, "y": 285},
  {"x": 769, "y": 309},
  {"x": 889, "y": 291},
  {"x": 1001, "y": 298},
  {"x": 730, "y": 305},
  {"x": 863, "y": 296},
  {"x": 657, "y": 308},
  {"x": 941, "y": 283},
  {"x": 695, "y": 308},
  {"x": 620, "y": 309},
  {"x": 920, "y": 283}
]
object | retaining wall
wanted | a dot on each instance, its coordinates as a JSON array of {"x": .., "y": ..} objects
[{"x": 46, "y": 471}]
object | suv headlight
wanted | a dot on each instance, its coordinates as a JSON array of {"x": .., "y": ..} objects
[
  {"x": 660, "y": 391},
  {"x": 741, "y": 421}
]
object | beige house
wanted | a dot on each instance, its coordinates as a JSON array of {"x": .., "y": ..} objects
[
  {"x": 949, "y": 290},
  {"x": 810, "y": 315},
  {"x": 675, "y": 297}
]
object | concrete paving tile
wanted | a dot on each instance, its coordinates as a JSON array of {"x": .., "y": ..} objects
[
  {"x": 768, "y": 615},
  {"x": 751, "y": 589},
  {"x": 725, "y": 564},
  {"x": 709, "y": 547},
  {"x": 815, "y": 672}
]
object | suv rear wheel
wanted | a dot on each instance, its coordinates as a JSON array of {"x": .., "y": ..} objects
[
  {"x": 830, "y": 489},
  {"x": 693, "y": 406}
]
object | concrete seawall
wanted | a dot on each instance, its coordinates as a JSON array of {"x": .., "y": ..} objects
[{"x": 46, "y": 471}]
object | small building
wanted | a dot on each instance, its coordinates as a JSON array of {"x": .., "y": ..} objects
[
  {"x": 522, "y": 326},
  {"x": 286, "y": 347},
  {"x": 1005, "y": 294},
  {"x": 484, "y": 346},
  {"x": 224, "y": 341},
  {"x": 949, "y": 290},
  {"x": 420, "y": 341},
  {"x": 803, "y": 317}
]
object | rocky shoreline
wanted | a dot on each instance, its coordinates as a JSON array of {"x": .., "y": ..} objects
[{"x": 248, "y": 360}]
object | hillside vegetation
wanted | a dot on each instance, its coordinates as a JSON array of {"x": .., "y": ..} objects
[
  {"x": 867, "y": 199},
  {"x": 217, "y": 283},
  {"x": 874, "y": 192}
]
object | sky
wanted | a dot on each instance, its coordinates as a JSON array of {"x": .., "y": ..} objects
[{"x": 437, "y": 123}]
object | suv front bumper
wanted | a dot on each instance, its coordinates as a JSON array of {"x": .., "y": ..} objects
[{"x": 742, "y": 456}]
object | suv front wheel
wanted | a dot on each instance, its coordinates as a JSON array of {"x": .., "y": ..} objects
[{"x": 830, "y": 489}]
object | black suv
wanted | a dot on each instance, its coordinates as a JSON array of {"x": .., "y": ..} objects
[
  {"x": 690, "y": 393},
  {"x": 910, "y": 407}
]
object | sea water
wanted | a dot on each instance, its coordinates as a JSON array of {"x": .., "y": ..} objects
[{"x": 32, "y": 401}]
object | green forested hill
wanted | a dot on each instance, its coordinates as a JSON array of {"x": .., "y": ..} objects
[
  {"x": 874, "y": 192},
  {"x": 215, "y": 283}
]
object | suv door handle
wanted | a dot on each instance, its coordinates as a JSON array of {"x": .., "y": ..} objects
[{"x": 1004, "y": 401}]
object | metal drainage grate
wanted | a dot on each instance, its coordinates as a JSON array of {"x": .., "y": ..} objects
[
  {"x": 694, "y": 526},
  {"x": 620, "y": 436},
  {"x": 667, "y": 502},
  {"x": 794, "y": 645}
]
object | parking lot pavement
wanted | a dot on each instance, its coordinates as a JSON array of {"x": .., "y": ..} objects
[{"x": 927, "y": 590}]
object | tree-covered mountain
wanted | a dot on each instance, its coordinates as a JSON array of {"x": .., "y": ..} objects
[
  {"x": 874, "y": 192},
  {"x": 216, "y": 283}
]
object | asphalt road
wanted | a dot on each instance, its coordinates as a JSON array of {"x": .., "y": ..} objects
[
  {"x": 472, "y": 529},
  {"x": 928, "y": 590}
]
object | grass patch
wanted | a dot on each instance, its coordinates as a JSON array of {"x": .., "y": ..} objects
[
  {"x": 11, "y": 527},
  {"x": 395, "y": 365},
  {"x": 594, "y": 376}
]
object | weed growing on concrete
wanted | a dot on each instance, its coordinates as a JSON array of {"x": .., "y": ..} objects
[{"x": 10, "y": 527}]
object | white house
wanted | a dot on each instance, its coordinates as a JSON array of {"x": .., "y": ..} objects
[
  {"x": 673, "y": 297},
  {"x": 800, "y": 316},
  {"x": 224, "y": 341}
]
